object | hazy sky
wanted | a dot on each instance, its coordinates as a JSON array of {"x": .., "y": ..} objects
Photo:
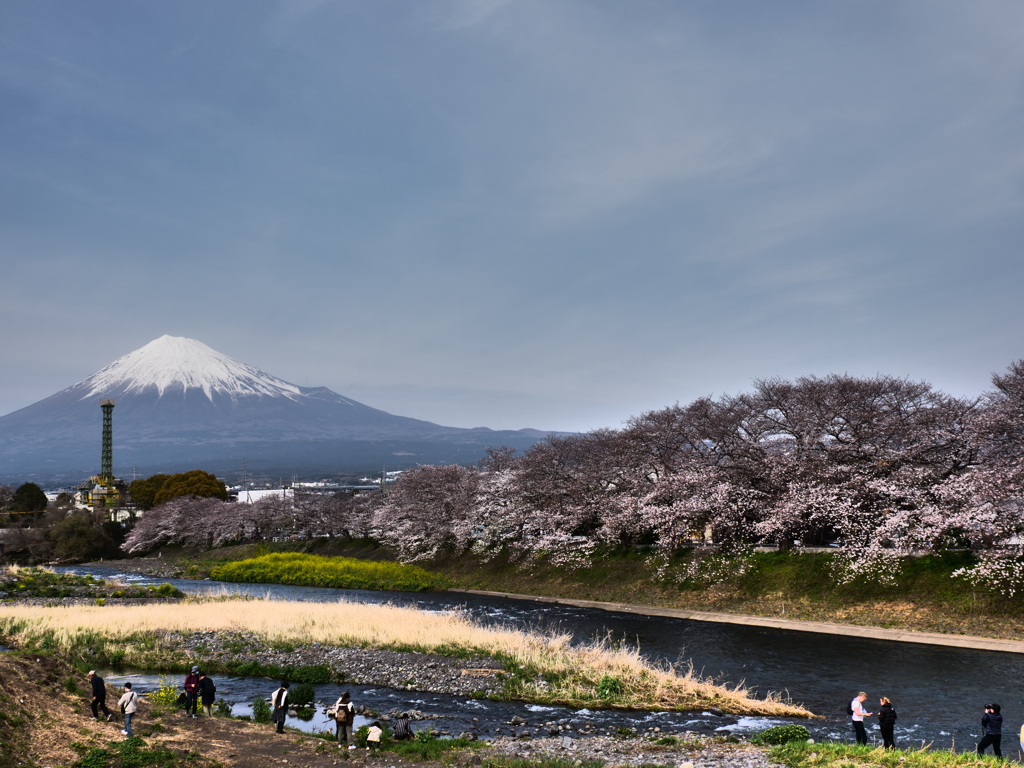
[{"x": 547, "y": 214}]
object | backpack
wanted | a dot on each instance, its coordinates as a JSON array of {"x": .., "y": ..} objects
[{"x": 849, "y": 709}]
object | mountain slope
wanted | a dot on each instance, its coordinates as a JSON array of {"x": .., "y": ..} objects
[{"x": 182, "y": 405}]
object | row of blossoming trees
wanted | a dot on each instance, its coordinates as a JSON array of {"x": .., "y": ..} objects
[
  {"x": 204, "y": 523},
  {"x": 881, "y": 466}
]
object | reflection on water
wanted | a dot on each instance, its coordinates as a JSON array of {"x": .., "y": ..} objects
[{"x": 938, "y": 692}]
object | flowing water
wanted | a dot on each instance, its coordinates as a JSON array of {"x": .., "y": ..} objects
[{"x": 938, "y": 692}]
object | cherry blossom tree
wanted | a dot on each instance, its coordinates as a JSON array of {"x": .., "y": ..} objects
[
  {"x": 429, "y": 511},
  {"x": 187, "y": 520}
]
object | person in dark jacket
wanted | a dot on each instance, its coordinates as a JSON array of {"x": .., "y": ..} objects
[
  {"x": 279, "y": 705},
  {"x": 207, "y": 693},
  {"x": 886, "y": 722},
  {"x": 992, "y": 722},
  {"x": 99, "y": 696},
  {"x": 192, "y": 692}
]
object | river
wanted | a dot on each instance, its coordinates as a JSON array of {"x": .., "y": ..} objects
[{"x": 939, "y": 692}]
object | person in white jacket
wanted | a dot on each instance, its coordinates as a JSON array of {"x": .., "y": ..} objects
[{"x": 129, "y": 704}]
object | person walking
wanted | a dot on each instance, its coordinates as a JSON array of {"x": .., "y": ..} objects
[
  {"x": 279, "y": 705},
  {"x": 345, "y": 718},
  {"x": 207, "y": 693},
  {"x": 858, "y": 714},
  {"x": 129, "y": 704},
  {"x": 886, "y": 722},
  {"x": 192, "y": 692},
  {"x": 99, "y": 696},
  {"x": 992, "y": 723}
]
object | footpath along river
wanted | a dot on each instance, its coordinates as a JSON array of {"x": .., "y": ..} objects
[{"x": 939, "y": 692}]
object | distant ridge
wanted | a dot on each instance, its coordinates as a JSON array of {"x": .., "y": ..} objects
[{"x": 182, "y": 405}]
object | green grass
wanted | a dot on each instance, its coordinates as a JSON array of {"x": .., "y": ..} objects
[
  {"x": 809, "y": 574},
  {"x": 24, "y": 583},
  {"x": 824, "y": 755},
  {"x": 135, "y": 753},
  {"x": 428, "y": 749},
  {"x": 319, "y": 571},
  {"x": 781, "y": 734}
]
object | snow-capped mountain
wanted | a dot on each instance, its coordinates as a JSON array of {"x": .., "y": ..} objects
[
  {"x": 173, "y": 362},
  {"x": 182, "y": 405}
]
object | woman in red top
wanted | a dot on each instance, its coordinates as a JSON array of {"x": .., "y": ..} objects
[{"x": 192, "y": 692}]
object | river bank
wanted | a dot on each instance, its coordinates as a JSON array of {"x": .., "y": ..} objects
[
  {"x": 795, "y": 625},
  {"x": 780, "y": 586},
  {"x": 48, "y": 723},
  {"x": 815, "y": 670},
  {"x": 249, "y": 636}
]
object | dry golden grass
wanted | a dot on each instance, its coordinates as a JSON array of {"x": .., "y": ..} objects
[{"x": 547, "y": 668}]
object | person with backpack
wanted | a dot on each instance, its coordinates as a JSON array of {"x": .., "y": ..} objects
[
  {"x": 992, "y": 724},
  {"x": 345, "y": 718},
  {"x": 857, "y": 715},
  {"x": 886, "y": 722},
  {"x": 129, "y": 704},
  {"x": 192, "y": 692},
  {"x": 207, "y": 693}
]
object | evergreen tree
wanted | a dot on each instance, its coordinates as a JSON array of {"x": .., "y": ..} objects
[
  {"x": 28, "y": 498},
  {"x": 194, "y": 483}
]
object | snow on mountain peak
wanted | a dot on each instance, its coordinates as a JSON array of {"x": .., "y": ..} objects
[{"x": 174, "y": 361}]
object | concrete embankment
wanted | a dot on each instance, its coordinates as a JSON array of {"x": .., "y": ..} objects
[{"x": 820, "y": 627}]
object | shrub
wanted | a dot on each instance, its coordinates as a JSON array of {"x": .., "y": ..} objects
[
  {"x": 320, "y": 571},
  {"x": 303, "y": 693},
  {"x": 261, "y": 711},
  {"x": 168, "y": 590},
  {"x": 609, "y": 687},
  {"x": 312, "y": 673},
  {"x": 167, "y": 694},
  {"x": 781, "y": 734}
]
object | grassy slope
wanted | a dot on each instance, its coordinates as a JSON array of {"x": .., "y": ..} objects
[
  {"x": 827, "y": 755},
  {"x": 925, "y": 597},
  {"x": 797, "y": 586}
]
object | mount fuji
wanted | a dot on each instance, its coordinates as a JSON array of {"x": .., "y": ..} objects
[{"x": 182, "y": 405}]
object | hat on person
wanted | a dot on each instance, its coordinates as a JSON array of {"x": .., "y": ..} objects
[
  {"x": 91, "y": 673},
  {"x": 195, "y": 669}
]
